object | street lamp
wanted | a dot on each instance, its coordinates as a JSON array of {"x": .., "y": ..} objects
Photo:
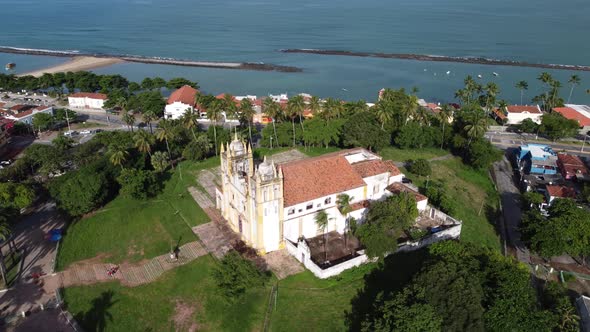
[{"x": 271, "y": 142}]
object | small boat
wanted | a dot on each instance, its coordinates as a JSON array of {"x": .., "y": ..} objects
[
  {"x": 343, "y": 89},
  {"x": 10, "y": 65},
  {"x": 479, "y": 76},
  {"x": 494, "y": 73},
  {"x": 448, "y": 72}
]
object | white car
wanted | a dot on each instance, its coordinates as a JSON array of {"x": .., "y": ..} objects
[
  {"x": 86, "y": 132},
  {"x": 70, "y": 133}
]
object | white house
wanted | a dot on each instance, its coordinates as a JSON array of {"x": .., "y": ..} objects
[
  {"x": 515, "y": 114},
  {"x": 580, "y": 113},
  {"x": 179, "y": 101},
  {"x": 25, "y": 113},
  {"x": 87, "y": 100}
]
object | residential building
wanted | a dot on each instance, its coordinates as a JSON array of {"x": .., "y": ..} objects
[
  {"x": 552, "y": 192},
  {"x": 25, "y": 113},
  {"x": 87, "y": 100},
  {"x": 536, "y": 159},
  {"x": 580, "y": 113},
  {"x": 179, "y": 101},
  {"x": 515, "y": 114},
  {"x": 583, "y": 306},
  {"x": 572, "y": 167}
]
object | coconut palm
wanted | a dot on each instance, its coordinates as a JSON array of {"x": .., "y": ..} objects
[
  {"x": 165, "y": 133},
  {"x": 332, "y": 109},
  {"x": 160, "y": 161},
  {"x": 314, "y": 105},
  {"x": 144, "y": 141},
  {"x": 445, "y": 114},
  {"x": 321, "y": 220},
  {"x": 213, "y": 114},
  {"x": 574, "y": 80},
  {"x": 383, "y": 114},
  {"x": 522, "y": 85},
  {"x": 297, "y": 103},
  {"x": 272, "y": 110},
  {"x": 343, "y": 205},
  {"x": 247, "y": 110},
  {"x": 554, "y": 99},
  {"x": 292, "y": 110},
  {"x": 476, "y": 126},
  {"x": 492, "y": 91},
  {"x": 189, "y": 120},
  {"x": 149, "y": 117},
  {"x": 129, "y": 120},
  {"x": 230, "y": 107},
  {"x": 546, "y": 79},
  {"x": 358, "y": 106},
  {"x": 118, "y": 154}
]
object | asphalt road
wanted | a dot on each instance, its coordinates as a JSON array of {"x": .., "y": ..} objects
[{"x": 511, "y": 140}]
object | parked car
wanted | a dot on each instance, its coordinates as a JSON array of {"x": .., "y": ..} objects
[
  {"x": 86, "y": 132},
  {"x": 70, "y": 133},
  {"x": 406, "y": 180},
  {"x": 5, "y": 162}
]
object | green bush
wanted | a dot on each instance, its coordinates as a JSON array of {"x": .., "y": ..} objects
[
  {"x": 235, "y": 275},
  {"x": 420, "y": 167}
]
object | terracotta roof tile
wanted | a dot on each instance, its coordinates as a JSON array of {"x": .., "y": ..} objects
[
  {"x": 186, "y": 95},
  {"x": 309, "y": 179},
  {"x": 397, "y": 188},
  {"x": 22, "y": 114},
  {"x": 90, "y": 95},
  {"x": 499, "y": 113},
  {"x": 571, "y": 164},
  {"x": 570, "y": 113},
  {"x": 359, "y": 205},
  {"x": 375, "y": 167},
  {"x": 522, "y": 109},
  {"x": 561, "y": 191}
]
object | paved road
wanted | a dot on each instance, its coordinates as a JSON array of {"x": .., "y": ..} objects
[
  {"x": 511, "y": 212},
  {"x": 510, "y": 140}
]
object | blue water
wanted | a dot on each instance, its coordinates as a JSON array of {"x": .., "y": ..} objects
[{"x": 242, "y": 30}]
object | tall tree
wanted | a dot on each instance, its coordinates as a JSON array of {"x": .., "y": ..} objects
[
  {"x": 144, "y": 141},
  {"x": 229, "y": 106},
  {"x": 129, "y": 120},
  {"x": 573, "y": 81},
  {"x": 445, "y": 114},
  {"x": 189, "y": 120},
  {"x": 314, "y": 105},
  {"x": 273, "y": 110},
  {"x": 321, "y": 221},
  {"x": 295, "y": 107},
  {"x": 213, "y": 114},
  {"x": 166, "y": 133},
  {"x": 118, "y": 154},
  {"x": 149, "y": 117},
  {"x": 522, "y": 86},
  {"x": 247, "y": 110}
]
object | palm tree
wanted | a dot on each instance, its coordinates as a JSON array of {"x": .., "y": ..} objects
[
  {"x": 272, "y": 110},
  {"x": 555, "y": 86},
  {"x": 321, "y": 220},
  {"x": 492, "y": 91},
  {"x": 522, "y": 85},
  {"x": 332, "y": 109},
  {"x": 247, "y": 110},
  {"x": 291, "y": 112},
  {"x": 165, "y": 133},
  {"x": 574, "y": 80},
  {"x": 445, "y": 114},
  {"x": 129, "y": 120},
  {"x": 476, "y": 126},
  {"x": 213, "y": 113},
  {"x": 144, "y": 141},
  {"x": 118, "y": 154},
  {"x": 383, "y": 114},
  {"x": 229, "y": 105},
  {"x": 5, "y": 229},
  {"x": 189, "y": 120},
  {"x": 297, "y": 103},
  {"x": 159, "y": 161},
  {"x": 546, "y": 79},
  {"x": 343, "y": 205},
  {"x": 149, "y": 117},
  {"x": 314, "y": 105}
]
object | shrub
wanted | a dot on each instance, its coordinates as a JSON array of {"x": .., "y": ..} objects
[
  {"x": 235, "y": 275},
  {"x": 420, "y": 167}
]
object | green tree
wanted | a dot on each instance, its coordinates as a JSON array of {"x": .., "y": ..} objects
[
  {"x": 321, "y": 220},
  {"x": 160, "y": 161},
  {"x": 235, "y": 275},
  {"x": 138, "y": 184},
  {"x": 363, "y": 130},
  {"x": 118, "y": 154},
  {"x": 247, "y": 113},
  {"x": 63, "y": 143},
  {"x": 143, "y": 141},
  {"x": 272, "y": 110},
  {"x": 189, "y": 120},
  {"x": 158, "y": 83},
  {"x": 444, "y": 116},
  {"x": 149, "y": 117},
  {"x": 16, "y": 195},
  {"x": 129, "y": 120},
  {"x": 42, "y": 121},
  {"x": 197, "y": 149},
  {"x": 532, "y": 199},
  {"x": 314, "y": 105},
  {"x": 555, "y": 126},
  {"x": 295, "y": 107},
  {"x": 166, "y": 133},
  {"x": 574, "y": 81},
  {"x": 213, "y": 114},
  {"x": 420, "y": 167},
  {"x": 319, "y": 132},
  {"x": 178, "y": 82},
  {"x": 522, "y": 86},
  {"x": 528, "y": 126}
]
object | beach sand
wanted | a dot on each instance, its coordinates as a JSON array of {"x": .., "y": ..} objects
[{"x": 77, "y": 63}]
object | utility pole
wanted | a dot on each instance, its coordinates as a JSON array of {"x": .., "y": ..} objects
[{"x": 68, "y": 120}]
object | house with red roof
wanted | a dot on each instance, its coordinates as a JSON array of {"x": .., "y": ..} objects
[
  {"x": 25, "y": 113},
  {"x": 572, "y": 167},
  {"x": 579, "y": 113},
  {"x": 553, "y": 192},
  {"x": 179, "y": 101},
  {"x": 6, "y": 126},
  {"x": 515, "y": 114},
  {"x": 87, "y": 100}
]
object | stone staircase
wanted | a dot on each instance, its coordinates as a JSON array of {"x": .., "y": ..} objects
[{"x": 131, "y": 275}]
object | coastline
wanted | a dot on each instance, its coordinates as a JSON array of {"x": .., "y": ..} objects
[
  {"x": 439, "y": 58},
  {"x": 92, "y": 61}
]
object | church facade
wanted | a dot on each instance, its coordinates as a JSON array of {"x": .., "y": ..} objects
[{"x": 268, "y": 204}]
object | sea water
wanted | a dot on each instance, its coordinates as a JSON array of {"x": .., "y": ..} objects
[{"x": 543, "y": 31}]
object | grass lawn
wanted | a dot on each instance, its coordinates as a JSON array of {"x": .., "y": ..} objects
[
  {"x": 132, "y": 230},
  {"x": 397, "y": 154},
  {"x": 477, "y": 197},
  {"x": 182, "y": 299},
  {"x": 87, "y": 124}
]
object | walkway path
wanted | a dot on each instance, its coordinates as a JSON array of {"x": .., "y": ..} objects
[
  {"x": 128, "y": 274},
  {"x": 446, "y": 156}
]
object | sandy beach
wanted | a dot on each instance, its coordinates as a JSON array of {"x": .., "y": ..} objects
[{"x": 77, "y": 63}]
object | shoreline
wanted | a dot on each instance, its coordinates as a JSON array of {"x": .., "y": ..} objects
[
  {"x": 101, "y": 60},
  {"x": 76, "y": 63},
  {"x": 439, "y": 58}
]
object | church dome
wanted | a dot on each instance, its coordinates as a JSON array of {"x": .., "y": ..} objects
[
  {"x": 237, "y": 147},
  {"x": 266, "y": 169}
]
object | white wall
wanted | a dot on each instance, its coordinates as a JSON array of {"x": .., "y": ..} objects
[
  {"x": 85, "y": 102},
  {"x": 516, "y": 118},
  {"x": 29, "y": 118},
  {"x": 176, "y": 110},
  {"x": 453, "y": 232},
  {"x": 271, "y": 226}
]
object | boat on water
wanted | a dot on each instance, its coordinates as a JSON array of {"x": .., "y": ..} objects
[{"x": 10, "y": 66}]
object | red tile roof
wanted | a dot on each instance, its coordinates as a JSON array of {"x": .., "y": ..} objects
[
  {"x": 18, "y": 108},
  {"x": 433, "y": 107},
  {"x": 571, "y": 114},
  {"x": 359, "y": 205},
  {"x": 571, "y": 164},
  {"x": 499, "y": 113},
  {"x": 561, "y": 191},
  {"x": 312, "y": 178},
  {"x": 186, "y": 95},
  {"x": 522, "y": 109},
  {"x": 90, "y": 95},
  {"x": 375, "y": 167},
  {"x": 397, "y": 188},
  {"x": 22, "y": 114}
]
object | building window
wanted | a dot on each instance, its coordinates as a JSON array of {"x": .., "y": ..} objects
[
  {"x": 375, "y": 189},
  {"x": 328, "y": 200},
  {"x": 300, "y": 210},
  {"x": 291, "y": 211},
  {"x": 265, "y": 194},
  {"x": 309, "y": 206},
  {"x": 319, "y": 205},
  {"x": 265, "y": 212}
]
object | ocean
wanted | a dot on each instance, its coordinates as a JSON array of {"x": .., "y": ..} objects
[{"x": 545, "y": 31}]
